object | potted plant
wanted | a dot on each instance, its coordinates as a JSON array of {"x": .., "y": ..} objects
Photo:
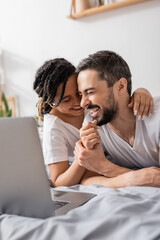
[{"x": 5, "y": 111}]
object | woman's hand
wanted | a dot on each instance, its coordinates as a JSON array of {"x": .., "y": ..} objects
[
  {"x": 89, "y": 135},
  {"x": 142, "y": 103}
]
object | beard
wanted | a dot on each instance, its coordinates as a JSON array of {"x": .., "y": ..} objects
[
  {"x": 108, "y": 113},
  {"x": 108, "y": 116}
]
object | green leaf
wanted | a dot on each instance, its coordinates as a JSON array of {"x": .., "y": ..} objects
[
  {"x": 1, "y": 113},
  {"x": 9, "y": 113},
  {"x": 6, "y": 112},
  {"x": 5, "y": 102}
]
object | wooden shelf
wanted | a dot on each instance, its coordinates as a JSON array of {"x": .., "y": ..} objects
[{"x": 104, "y": 8}]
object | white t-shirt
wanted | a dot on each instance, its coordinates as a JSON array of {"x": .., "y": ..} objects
[
  {"x": 59, "y": 140},
  {"x": 145, "y": 151}
]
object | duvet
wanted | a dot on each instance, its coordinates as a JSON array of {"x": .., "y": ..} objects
[{"x": 114, "y": 214}]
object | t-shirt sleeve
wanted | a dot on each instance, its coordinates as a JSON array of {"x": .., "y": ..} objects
[
  {"x": 87, "y": 118},
  {"x": 54, "y": 147}
]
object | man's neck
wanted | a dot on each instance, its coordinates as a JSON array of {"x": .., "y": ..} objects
[{"x": 124, "y": 125}]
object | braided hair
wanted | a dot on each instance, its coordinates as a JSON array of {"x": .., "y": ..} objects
[{"x": 47, "y": 80}]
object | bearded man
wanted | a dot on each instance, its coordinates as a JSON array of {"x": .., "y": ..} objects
[{"x": 104, "y": 83}]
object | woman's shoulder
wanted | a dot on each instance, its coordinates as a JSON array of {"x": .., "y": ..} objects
[
  {"x": 51, "y": 121},
  {"x": 54, "y": 122}
]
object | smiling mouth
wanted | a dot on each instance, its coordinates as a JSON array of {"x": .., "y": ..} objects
[
  {"x": 79, "y": 108},
  {"x": 94, "y": 111}
]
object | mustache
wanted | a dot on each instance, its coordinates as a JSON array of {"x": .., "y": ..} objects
[{"x": 92, "y": 106}]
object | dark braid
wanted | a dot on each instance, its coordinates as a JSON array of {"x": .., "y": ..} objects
[{"x": 47, "y": 80}]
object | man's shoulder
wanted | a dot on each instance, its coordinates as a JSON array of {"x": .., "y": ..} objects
[
  {"x": 156, "y": 106},
  {"x": 154, "y": 121}
]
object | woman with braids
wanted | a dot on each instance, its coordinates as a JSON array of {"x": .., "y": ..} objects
[{"x": 59, "y": 107}]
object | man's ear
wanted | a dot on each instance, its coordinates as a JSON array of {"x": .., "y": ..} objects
[{"x": 122, "y": 85}]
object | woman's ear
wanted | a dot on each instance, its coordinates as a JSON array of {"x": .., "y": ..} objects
[{"x": 122, "y": 85}]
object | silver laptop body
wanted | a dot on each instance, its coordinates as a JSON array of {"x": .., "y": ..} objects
[{"x": 24, "y": 187}]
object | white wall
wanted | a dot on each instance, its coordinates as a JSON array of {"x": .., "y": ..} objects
[{"x": 33, "y": 31}]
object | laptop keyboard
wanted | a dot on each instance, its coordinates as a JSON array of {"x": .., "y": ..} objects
[{"x": 58, "y": 204}]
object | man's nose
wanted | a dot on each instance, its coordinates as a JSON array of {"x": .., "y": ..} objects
[{"x": 84, "y": 101}]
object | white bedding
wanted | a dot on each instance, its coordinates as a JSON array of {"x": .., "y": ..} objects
[{"x": 114, "y": 214}]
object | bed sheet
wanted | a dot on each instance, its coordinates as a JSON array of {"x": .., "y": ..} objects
[{"x": 114, "y": 214}]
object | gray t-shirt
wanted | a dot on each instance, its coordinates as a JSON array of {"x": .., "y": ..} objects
[{"x": 145, "y": 151}]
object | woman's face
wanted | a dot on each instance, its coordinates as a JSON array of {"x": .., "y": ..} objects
[{"x": 70, "y": 103}]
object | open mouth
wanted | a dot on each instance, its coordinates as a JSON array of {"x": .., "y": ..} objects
[
  {"x": 94, "y": 112},
  {"x": 77, "y": 109}
]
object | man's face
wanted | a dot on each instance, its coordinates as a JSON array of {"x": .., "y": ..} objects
[{"x": 97, "y": 97}]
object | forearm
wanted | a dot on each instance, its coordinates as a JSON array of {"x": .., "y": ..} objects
[
  {"x": 125, "y": 180},
  {"x": 114, "y": 182},
  {"x": 95, "y": 161},
  {"x": 71, "y": 176},
  {"x": 109, "y": 169},
  {"x": 143, "y": 177},
  {"x": 103, "y": 181}
]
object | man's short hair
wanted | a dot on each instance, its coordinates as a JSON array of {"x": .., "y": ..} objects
[{"x": 110, "y": 67}]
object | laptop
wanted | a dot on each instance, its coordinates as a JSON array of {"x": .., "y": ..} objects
[{"x": 24, "y": 185}]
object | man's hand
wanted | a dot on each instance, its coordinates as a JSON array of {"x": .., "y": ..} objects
[
  {"x": 89, "y": 135},
  {"x": 95, "y": 161},
  {"x": 90, "y": 159},
  {"x": 142, "y": 103},
  {"x": 144, "y": 177}
]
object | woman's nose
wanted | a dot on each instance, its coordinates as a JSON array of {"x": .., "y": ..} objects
[{"x": 77, "y": 99}]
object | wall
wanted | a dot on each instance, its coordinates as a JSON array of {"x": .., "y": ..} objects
[{"x": 33, "y": 31}]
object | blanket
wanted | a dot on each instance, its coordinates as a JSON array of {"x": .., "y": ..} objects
[{"x": 114, "y": 214}]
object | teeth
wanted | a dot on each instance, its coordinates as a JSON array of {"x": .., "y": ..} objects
[
  {"x": 94, "y": 110},
  {"x": 76, "y": 107}
]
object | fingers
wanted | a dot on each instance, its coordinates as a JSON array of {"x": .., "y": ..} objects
[
  {"x": 89, "y": 138},
  {"x": 136, "y": 105},
  {"x": 131, "y": 104},
  {"x": 91, "y": 132},
  {"x": 90, "y": 144},
  {"x": 149, "y": 176},
  {"x": 95, "y": 122},
  {"x": 144, "y": 109},
  {"x": 90, "y": 125},
  {"x": 150, "y": 107},
  {"x": 89, "y": 135},
  {"x": 79, "y": 147},
  {"x": 143, "y": 103},
  {"x": 79, "y": 153}
]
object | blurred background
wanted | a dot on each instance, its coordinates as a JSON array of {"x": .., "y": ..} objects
[{"x": 33, "y": 31}]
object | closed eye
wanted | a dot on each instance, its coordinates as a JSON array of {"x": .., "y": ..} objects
[
  {"x": 66, "y": 100},
  {"x": 89, "y": 92},
  {"x": 79, "y": 94}
]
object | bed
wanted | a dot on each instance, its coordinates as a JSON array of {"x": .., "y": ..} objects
[{"x": 114, "y": 214}]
